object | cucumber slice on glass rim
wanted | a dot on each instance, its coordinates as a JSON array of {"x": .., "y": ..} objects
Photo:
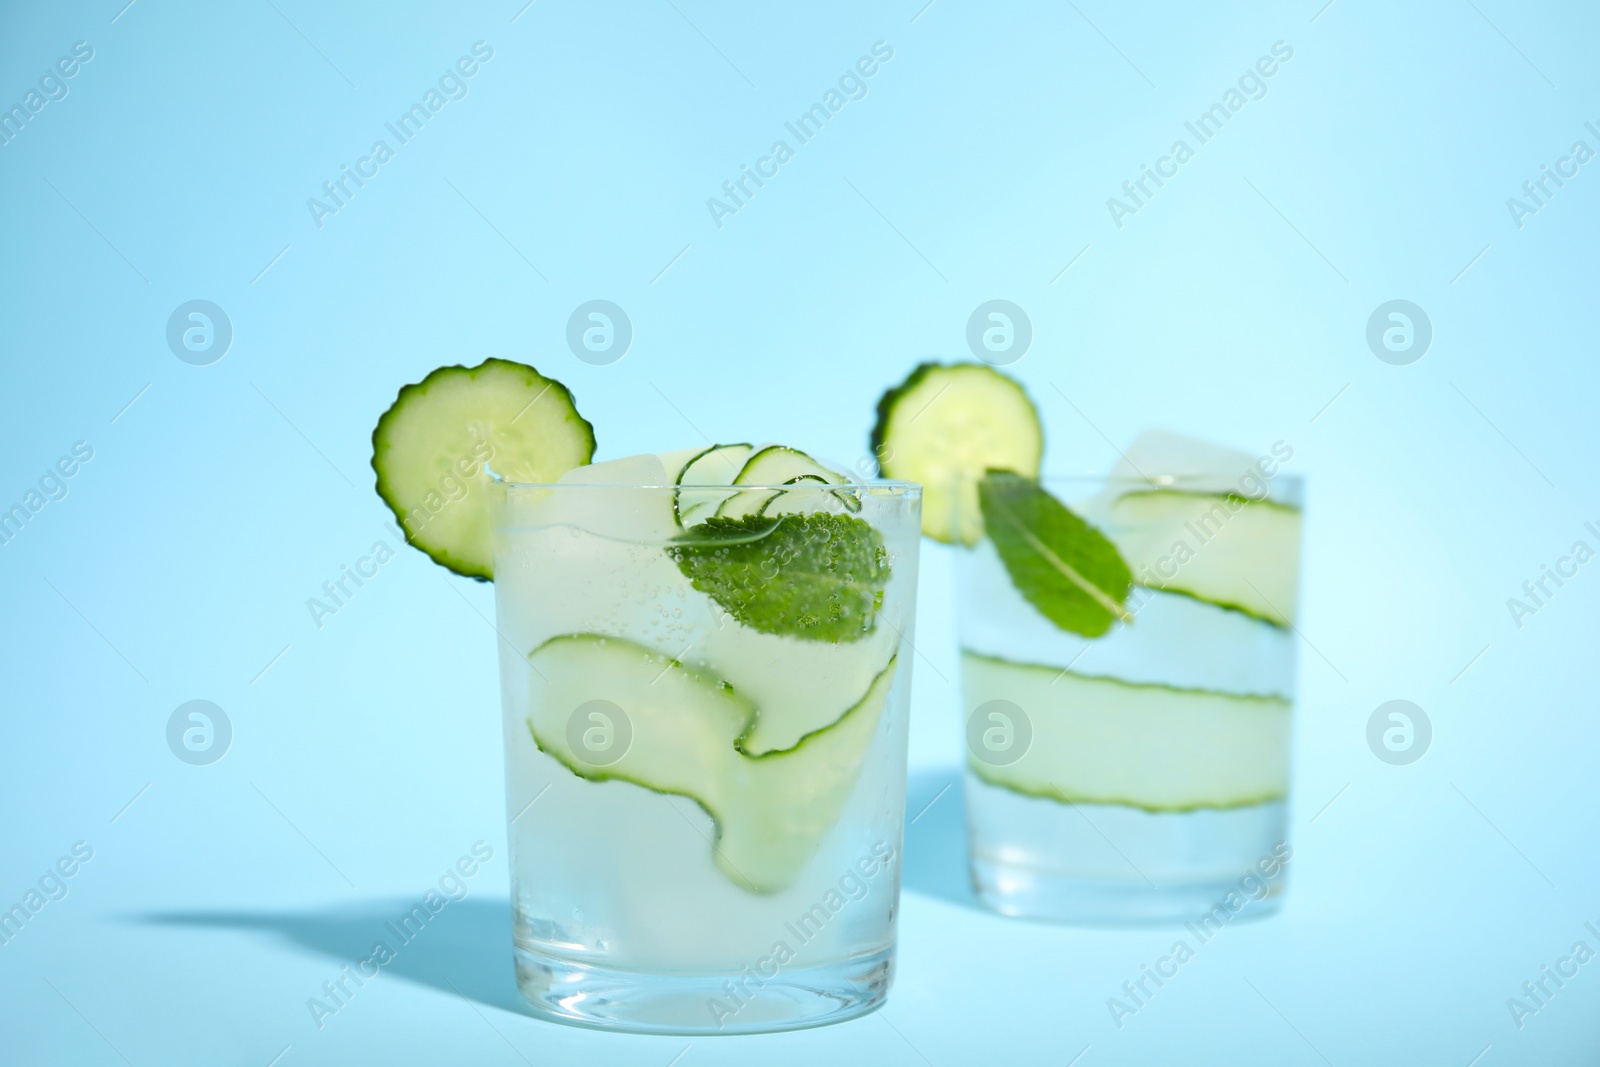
[
  {"x": 435, "y": 447},
  {"x": 944, "y": 426}
]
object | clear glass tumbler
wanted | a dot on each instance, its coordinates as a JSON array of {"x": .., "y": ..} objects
[
  {"x": 1140, "y": 774},
  {"x": 705, "y": 733}
]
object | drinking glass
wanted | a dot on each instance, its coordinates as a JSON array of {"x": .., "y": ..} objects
[
  {"x": 705, "y": 735},
  {"x": 1141, "y": 774}
]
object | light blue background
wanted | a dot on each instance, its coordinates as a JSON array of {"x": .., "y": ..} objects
[{"x": 1233, "y": 306}]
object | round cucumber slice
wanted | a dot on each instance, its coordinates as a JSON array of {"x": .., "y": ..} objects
[
  {"x": 435, "y": 446},
  {"x": 943, "y": 427}
]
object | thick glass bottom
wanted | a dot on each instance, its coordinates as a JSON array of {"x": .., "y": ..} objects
[
  {"x": 1110, "y": 863},
  {"x": 698, "y": 1003},
  {"x": 1029, "y": 893}
]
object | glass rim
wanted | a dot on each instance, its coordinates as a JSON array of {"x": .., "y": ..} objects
[
  {"x": 886, "y": 484},
  {"x": 1210, "y": 479}
]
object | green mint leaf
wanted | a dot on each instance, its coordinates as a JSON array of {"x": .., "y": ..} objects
[
  {"x": 1058, "y": 562},
  {"x": 818, "y": 577}
]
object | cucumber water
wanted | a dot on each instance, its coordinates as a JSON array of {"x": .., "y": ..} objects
[
  {"x": 752, "y": 669},
  {"x": 1129, "y": 650},
  {"x": 704, "y": 697}
]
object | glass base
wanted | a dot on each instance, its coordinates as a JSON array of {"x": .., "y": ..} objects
[
  {"x": 1029, "y": 893},
  {"x": 699, "y": 1003},
  {"x": 1110, "y": 863}
]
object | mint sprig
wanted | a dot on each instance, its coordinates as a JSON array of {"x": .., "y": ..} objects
[
  {"x": 818, "y": 577},
  {"x": 1059, "y": 563}
]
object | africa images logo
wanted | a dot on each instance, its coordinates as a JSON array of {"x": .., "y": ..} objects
[
  {"x": 852, "y": 85},
  {"x": 1205, "y": 126},
  {"x": 452, "y": 85},
  {"x": 53, "y": 88}
]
